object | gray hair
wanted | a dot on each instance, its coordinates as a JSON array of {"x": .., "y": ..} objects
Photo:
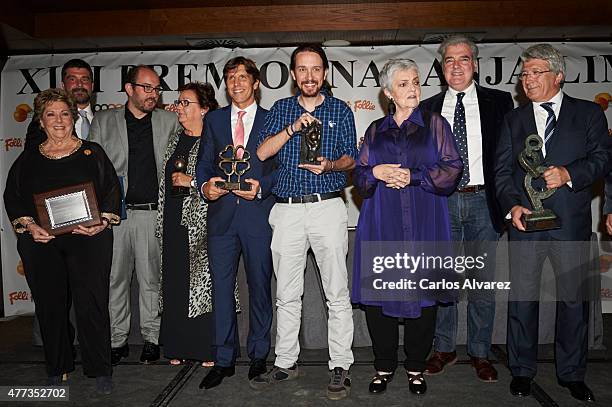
[
  {"x": 547, "y": 53},
  {"x": 392, "y": 66},
  {"x": 457, "y": 39}
]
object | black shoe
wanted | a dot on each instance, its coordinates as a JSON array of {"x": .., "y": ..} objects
[
  {"x": 150, "y": 353},
  {"x": 578, "y": 390},
  {"x": 417, "y": 388},
  {"x": 216, "y": 376},
  {"x": 520, "y": 386},
  {"x": 104, "y": 385},
  {"x": 379, "y": 382},
  {"x": 258, "y": 366},
  {"x": 118, "y": 353}
]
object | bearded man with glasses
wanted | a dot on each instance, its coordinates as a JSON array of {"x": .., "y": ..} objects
[{"x": 135, "y": 138}]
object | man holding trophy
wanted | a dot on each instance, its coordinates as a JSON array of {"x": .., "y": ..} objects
[
  {"x": 554, "y": 142},
  {"x": 310, "y": 212},
  {"x": 237, "y": 186}
]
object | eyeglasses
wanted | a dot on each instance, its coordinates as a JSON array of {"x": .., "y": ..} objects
[
  {"x": 149, "y": 88},
  {"x": 536, "y": 74},
  {"x": 461, "y": 61},
  {"x": 183, "y": 102}
]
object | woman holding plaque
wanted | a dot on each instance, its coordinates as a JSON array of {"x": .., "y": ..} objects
[
  {"x": 186, "y": 289},
  {"x": 74, "y": 264},
  {"x": 407, "y": 166}
]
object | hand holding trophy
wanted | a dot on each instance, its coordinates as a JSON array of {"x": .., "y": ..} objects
[{"x": 234, "y": 162}]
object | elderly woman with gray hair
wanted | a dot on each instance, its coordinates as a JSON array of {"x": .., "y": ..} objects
[{"x": 407, "y": 166}]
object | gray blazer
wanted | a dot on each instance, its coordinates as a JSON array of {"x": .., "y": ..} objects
[{"x": 108, "y": 129}]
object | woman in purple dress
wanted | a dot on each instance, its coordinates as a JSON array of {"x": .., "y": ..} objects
[{"x": 408, "y": 165}]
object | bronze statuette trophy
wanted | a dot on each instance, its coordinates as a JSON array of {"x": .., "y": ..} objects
[
  {"x": 234, "y": 166},
  {"x": 310, "y": 144},
  {"x": 180, "y": 165},
  {"x": 540, "y": 218}
]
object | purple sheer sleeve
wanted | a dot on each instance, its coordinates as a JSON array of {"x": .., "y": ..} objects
[
  {"x": 363, "y": 177},
  {"x": 442, "y": 177}
]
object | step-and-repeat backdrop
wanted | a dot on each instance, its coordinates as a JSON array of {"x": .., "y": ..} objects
[{"x": 353, "y": 74}]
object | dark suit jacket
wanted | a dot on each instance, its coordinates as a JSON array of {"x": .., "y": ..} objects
[
  {"x": 218, "y": 134},
  {"x": 493, "y": 104},
  {"x": 34, "y": 135},
  {"x": 580, "y": 143}
]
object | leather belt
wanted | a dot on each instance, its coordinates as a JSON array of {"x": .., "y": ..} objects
[
  {"x": 142, "y": 207},
  {"x": 309, "y": 198},
  {"x": 471, "y": 188}
]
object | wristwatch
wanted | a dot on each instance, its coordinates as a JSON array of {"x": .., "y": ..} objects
[
  {"x": 259, "y": 193},
  {"x": 193, "y": 183}
]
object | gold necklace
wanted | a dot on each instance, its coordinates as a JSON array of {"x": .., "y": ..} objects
[{"x": 59, "y": 157}]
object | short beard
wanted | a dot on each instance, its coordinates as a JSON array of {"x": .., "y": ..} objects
[{"x": 81, "y": 100}]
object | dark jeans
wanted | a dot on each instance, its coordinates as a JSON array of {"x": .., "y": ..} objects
[{"x": 471, "y": 224}]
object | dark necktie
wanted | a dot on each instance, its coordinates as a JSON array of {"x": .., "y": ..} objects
[
  {"x": 460, "y": 133},
  {"x": 551, "y": 122}
]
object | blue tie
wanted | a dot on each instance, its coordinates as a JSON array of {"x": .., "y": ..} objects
[
  {"x": 551, "y": 122},
  {"x": 84, "y": 124},
  {"x": 460, "y": 133}
]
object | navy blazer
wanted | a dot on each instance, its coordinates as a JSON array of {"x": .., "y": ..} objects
[
  {"x": 216, "y": 136},
  {"x": 493, "y": 105},
  {"x": 580, "y": 143}
]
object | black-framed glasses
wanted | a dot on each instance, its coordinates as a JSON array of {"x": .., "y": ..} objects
[
  {"x": 149, "y": 88},
  {"x": 536, "y": 74},
  {"x": 183, "y": 102}
]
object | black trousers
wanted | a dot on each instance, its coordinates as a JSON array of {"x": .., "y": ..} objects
[
  {"x": 418, "y": 338},
  {"x": 570, "y": 262},
  {"x": 79, "y": 266}
]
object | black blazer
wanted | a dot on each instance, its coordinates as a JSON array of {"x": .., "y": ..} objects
[
  {"x": 580, "y": 144},
  {"x": 493, "y": 104},
  {"x": 218, "y": 134}
]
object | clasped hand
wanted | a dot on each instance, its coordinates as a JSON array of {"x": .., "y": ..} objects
[{"x": 392, "y": 175}]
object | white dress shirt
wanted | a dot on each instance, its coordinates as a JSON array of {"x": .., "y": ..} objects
[
  {"x": 472, "y": 124},
  {"x": 248, "y": 119},
  {"x": 541, "y": 115}
]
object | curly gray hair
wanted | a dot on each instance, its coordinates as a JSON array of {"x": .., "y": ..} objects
[{"x": 392, "y": 66}]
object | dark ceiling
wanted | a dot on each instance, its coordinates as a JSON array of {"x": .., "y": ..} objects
[{"x": 39, "y": 26}]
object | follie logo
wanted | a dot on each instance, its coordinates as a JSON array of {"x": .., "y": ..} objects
[
  {"x": 21, "y": 112},
  {"x": 11, "y": 143},
  {"x": 603, "y": 99},
  {"x": 18, "y": 296}
]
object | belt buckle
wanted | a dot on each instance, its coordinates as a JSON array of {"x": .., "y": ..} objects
[{"x": 318, "y": 197}]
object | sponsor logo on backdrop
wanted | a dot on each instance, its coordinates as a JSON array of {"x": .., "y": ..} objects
[
  {"x": 22, "y": 112},
  {"x": 20, "y": 270},
  {"x": 14, "y": 142},
  {"x": 105, "y": 106},
  {"x": 19, "y": 296},
  {"x": 361, "y": 105},
  {"x": 603, "y": 99}
]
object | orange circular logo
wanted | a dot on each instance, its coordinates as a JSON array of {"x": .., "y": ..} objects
[{"x": 20, "y": 269}]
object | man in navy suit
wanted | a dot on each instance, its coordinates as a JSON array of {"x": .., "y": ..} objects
[
  {"x": 474, "y": 212},
  {"x": 575, "y": 153},
  {"x": 238, "y": 222}
]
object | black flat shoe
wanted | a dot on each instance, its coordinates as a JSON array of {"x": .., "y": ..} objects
[
  {"x": 520, "y": 386},
  {"x": 216, "y": 376},
  {"x": 258, "y": 366},
  {"x": 578, "y": 390},
  {"x": 379, "y": 383},
  {"x": 417, "y": 388},
  {"x": 118, "y": 353}
]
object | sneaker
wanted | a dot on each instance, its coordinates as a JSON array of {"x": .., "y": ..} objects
[
  {"x": 339, "y": 384},
  {"x": 118, "y": 353},
  {"x": 275, "y": 375},
  {"x": 150, "y": 353}
]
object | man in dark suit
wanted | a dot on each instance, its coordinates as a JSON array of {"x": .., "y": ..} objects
[
  {"x": 77, "y": 79},
  {"x": 238, "y": 222},
  {"x": 476, "y": 114},
  {"x": 575, "y": 153}
]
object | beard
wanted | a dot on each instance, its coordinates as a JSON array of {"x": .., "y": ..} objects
[
  {"x": 81, "y": 95},
  {"x": 147, "y": 105},
  {"x": 309, "y": 92}
]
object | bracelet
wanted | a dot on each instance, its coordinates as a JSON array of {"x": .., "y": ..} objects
[{"x": 287, "y": 131}]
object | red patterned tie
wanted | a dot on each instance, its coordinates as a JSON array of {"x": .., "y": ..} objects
[{"x": 239, "y": 133}]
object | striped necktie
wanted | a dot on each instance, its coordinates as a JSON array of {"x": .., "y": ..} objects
[{"x": 551, "y": 122}]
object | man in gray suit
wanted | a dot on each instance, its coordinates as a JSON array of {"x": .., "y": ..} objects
[{"x": 135, "y": 139}]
